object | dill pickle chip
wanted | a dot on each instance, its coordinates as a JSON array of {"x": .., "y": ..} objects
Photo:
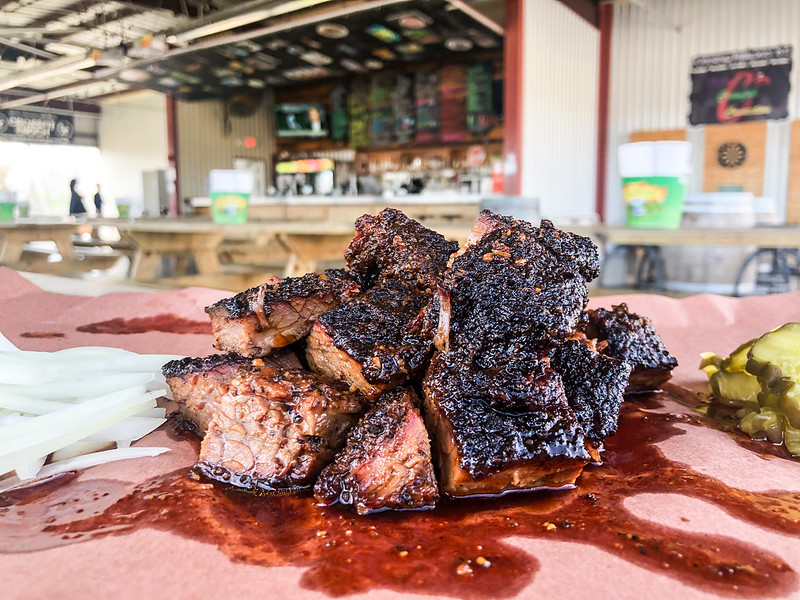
[{"x": 775, "y": 358}]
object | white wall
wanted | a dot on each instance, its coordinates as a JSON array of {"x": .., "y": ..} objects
[
  {"x": 559, "y": 109},
  {"x": 652, "y": 52},
  {"x": 133, "y": 138}
]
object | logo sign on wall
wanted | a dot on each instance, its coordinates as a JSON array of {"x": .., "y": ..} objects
[
  {"x": 28, "y": 126},
  {"x": 750, "y": 85}
]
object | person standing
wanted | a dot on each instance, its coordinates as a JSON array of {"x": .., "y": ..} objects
[
  {"x": 76, "y": 206},
  {"x": 98, "y": 202}
]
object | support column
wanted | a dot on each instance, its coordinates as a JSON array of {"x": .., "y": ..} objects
[
  {"x": 512, "y": 98},
  {"x": 603, "y": 94},
  {"x": 173, "y": 185}
]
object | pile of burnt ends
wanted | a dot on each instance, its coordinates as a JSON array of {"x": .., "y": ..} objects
[{"x": 421, "y": 368}]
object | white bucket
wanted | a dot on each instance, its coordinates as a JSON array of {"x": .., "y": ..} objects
[
  {"x": 637, "y": 159},
  {"x": 711, "y": 269},
  {"x": 230, "y": 180},
  {"x": 672, "y": 158}
]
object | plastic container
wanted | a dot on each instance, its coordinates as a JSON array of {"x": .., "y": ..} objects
[
  {"x": 230, "y": 191},
  {"x": 655, "y": 202},
  {"x": 654, "y": 180},
  {"x": 672, "y": 158},
  {"x": 637, "y": 159},
  {"x": 8, "y": 205},
  {"x": 711, "y": 269}
]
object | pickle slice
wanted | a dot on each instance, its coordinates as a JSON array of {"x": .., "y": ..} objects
[
  {"x": 775, "y": 358},
  {"x": 762, "y": 377}
]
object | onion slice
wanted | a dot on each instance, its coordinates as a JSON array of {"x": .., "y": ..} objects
[{"x": 85, "y": 461}]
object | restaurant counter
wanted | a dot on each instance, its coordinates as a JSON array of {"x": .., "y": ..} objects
[{"x": 430, "y": 205}]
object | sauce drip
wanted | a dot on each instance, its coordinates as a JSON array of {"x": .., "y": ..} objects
[
  {"x": 166, "y": 322},
  {"x": 457, "y": 549},
  {"x": 41, "y": 334}
]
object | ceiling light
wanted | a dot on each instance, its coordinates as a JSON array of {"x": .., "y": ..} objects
[
  {"x": 246, "y": 18},
  {"x": 52, "y": 68}
]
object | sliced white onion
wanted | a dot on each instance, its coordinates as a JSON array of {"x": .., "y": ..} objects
[
  {"x": 79, "y": 448},
  {"x": 29, "y": 470},
  {"x": 128, "y": 429},
  {"x": 90, "y": 387},
  {"x": 74, "y": 402},
  {"x": 26, "y": 441},
  {"x": 86, "y": 461},
  {"x": 29, "y": 368},
  {"x": 6, "y": 345},
  {"x": 26, "y": 404}
]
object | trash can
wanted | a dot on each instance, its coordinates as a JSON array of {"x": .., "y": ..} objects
[
  {"x": 654, "y": 180},
  {"x": 230, "y": 195}
]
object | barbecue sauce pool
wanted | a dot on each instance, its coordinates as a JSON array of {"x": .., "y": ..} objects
[
  {"x": 167, "y": 323},
  {"x": 457, "y": 549}
]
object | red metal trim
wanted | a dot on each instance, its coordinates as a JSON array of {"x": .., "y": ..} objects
[
  {"x": 172, "y": 155},
  {"x": 603, "y": 94},
  {"x": 512, "y": 93}
]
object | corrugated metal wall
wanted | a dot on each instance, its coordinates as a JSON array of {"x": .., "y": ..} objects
[
  {"x": 205, "y": 144},
  {"x": 651, "y": 59},
  {"x": 559, "y": 109}
]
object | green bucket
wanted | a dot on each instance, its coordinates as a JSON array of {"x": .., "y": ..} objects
[
  {"x": 7, "y": 211},
  {"x": 654, "y": 202},
  {"x": 229, "y": 207}
]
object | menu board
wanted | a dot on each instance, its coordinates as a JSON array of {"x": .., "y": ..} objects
[
  {"x": 404, "y": 113},
  {"x": 454, "y": 103},
  {"x": 479, "y": 98},
  {"x": 381, "y": 109},
  {"x": 748, "y": 85},
  {"x": 29, "y": 126},
  {"x": 357, "y": 102},
  {"x": 339, "y": 120},
  {"x": 426, "y": 87}
]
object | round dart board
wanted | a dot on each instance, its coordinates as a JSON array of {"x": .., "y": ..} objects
[{"x": 731, "y": 154}]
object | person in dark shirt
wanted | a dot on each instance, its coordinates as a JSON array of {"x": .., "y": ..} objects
[
  {"x": 76, "y": 206},
  {"x": 98, "y": 201}
]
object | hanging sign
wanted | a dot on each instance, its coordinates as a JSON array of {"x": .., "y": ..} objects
[
  {"x": 30, "y": 126},
  {"x": 750, "y": 85}
]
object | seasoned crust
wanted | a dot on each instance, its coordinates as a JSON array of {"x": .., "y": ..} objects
[
  {"x": 390, "y": 245},
  {"x": 632, "y": 338},
  {"x": 509, "y": 293},
  {"x": 276, "y": 314},
  {"x": 481, "y": 446},
  {"x": 594, "y": 385},
  {"x": 577, "y": 251},
  {"x": 381, "y": 331}
]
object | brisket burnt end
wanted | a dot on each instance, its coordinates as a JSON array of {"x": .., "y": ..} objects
[
  {"x": 386, "y": 463},
  {"x": 577, "y": 251},
  {"x": 509, "y": 294},
  {"x": 633, "y": 338},
  {"x": 273, "y": 315},
  {"x": 483, "y": 450},
  {"x": 375, "y": 342},
  {"x": 393, "y": 246},
  {"x": 266, "y": 427}
]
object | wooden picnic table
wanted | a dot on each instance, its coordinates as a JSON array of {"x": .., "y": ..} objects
[
  {"x": 307, "y": 243},
  {"x": 15, "y": 234}
]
